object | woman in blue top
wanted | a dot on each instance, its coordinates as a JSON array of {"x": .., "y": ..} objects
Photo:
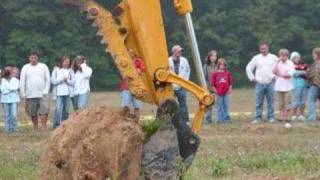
[
  {"x": 300, "y": 84},
  {"x": 9, "y": 99}
]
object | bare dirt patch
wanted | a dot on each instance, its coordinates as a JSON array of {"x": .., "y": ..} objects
[{"x": 94, "y": 144}]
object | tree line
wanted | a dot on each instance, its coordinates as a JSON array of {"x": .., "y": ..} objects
[{"x": 234, "y": 28}]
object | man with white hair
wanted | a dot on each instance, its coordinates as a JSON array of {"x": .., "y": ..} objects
[{"x": 180, "y": 66}]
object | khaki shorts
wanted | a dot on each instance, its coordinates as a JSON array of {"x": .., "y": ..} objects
[
  {"x": 284, "y": 100},
  {"x": 37, "y": 106}
]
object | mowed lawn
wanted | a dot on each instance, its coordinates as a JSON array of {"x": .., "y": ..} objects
[{"x": 235, "y": 151}]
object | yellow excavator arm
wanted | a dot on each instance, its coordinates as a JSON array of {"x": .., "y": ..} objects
[{"x": 138, "y": 25}]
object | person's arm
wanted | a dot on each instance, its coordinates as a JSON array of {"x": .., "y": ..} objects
[
  {"x": 4, "y": 88},
  {"x": 171, "y": 66},
  {"x": 250, "y": 68},
  {"x": 54, "y": 78},
  {"x": 213, "y": 82},
  {"x": 275, "y": 70},
  {"x": 187, "y": 71},
  {"x": 298, "y": 73},
  {"x": 310, "y": 73},
  {"x": 14, "y": 84},
  {"x": 275, "y": 65},
  {"x": 48, "y": 82},
  {"x": 290, "y": 71},
  {"x": 286, "y": 75},
  {"x": 23, "y": 82},
  {"x": 71, "y": 79},
  {"x": 230, "y": 82},
  {"x": 205, "y": 72},
  {"x": 86, "y": 70}
]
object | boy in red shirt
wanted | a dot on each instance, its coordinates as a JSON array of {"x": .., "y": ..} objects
[
  {"x": 127, "y": 98},
  {"x": 222, "y": 86}
]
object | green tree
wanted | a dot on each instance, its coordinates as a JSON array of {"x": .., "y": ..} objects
[{"x": 233, "y": 27}]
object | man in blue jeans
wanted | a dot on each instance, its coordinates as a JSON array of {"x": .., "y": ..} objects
[
  {"x": 260, "y": 71},
  {"x": 313, "y": 75},
  {"x": 180, "y": 66}
]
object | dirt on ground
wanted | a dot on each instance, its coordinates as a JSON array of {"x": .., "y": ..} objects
[{"x": 94, "y": 144}]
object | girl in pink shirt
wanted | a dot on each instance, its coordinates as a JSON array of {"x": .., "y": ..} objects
[{"x": 283, "y": 85}]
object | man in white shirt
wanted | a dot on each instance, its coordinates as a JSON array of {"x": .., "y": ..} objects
[
  {"x": 180, "y": 66},
  {"x": 260, "y": 71},
  {"x": 34, "y": 88}
]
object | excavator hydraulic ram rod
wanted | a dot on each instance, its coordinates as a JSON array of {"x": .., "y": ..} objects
[{"x": 195, "y": 50}]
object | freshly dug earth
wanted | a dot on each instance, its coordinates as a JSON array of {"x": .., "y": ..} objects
[{"x": 94, "y": 144}]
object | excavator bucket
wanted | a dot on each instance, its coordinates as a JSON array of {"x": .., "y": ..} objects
[{"x": 173, "y": 142}]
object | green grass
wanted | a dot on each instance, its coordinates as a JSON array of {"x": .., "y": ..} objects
[
  {"x": 286, "y": 164},
  {"x": 20, "y": 153}
]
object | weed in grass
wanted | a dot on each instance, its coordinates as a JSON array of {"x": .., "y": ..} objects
[
  {"x": 284, "y": 161},
  {"x": 219, "y": 167},
  {"x": 149, "y": 127},
  {"x": 15, "y": 165}
]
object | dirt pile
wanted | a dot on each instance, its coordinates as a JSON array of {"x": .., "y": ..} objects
[{"x": 94, "y": 144}]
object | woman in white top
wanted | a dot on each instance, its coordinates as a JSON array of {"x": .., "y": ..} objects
[
  {"x": 63, "y": 82},
  {"x": 9, "y": 99},
  {"x": 82, "y": 73}
]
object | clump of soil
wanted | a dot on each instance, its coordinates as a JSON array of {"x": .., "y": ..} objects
[{"x": 94, "y": 144}]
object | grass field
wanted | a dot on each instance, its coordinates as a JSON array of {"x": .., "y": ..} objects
[{"x": 235, "y": 151}]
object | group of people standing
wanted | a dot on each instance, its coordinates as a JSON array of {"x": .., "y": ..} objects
[
  {"x": 295, "y": 83},
  {"x": 69, "y": 83},
  {"x": 219, "y": 81}
]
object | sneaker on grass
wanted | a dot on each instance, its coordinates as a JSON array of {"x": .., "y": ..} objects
[
  {"x": 294, "y": 118},
  {"x": 302, "y": 118},
  {"x": 271, "y": 120},
  {"x": 256, "y": 121}
]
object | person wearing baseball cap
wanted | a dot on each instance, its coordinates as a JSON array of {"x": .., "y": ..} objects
[
  {"x": 176, "y": 48},
  {"x": 180, "y": 66}
]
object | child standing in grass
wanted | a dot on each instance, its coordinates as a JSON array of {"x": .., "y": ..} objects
[
  {"x": 222, "y": 86},
  {"x": 313, "y": 75},
  {"x": 9, "y": 99},
  {"x": 209, "y": 68},
  {"x": 127, "y": 98},
  {"x": 283, "y": 84},
  {"x": 300, "y": 85}
]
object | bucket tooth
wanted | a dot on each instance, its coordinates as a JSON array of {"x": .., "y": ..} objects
[
  {"x": 103, "y": 41},
  {"x": 89, "y": 17},
  {"x": 94, "y": 24},
  {"x": 99, "y": 33}
]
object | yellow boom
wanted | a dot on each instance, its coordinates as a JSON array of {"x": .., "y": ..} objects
[{"x": 138, "y": 25}]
